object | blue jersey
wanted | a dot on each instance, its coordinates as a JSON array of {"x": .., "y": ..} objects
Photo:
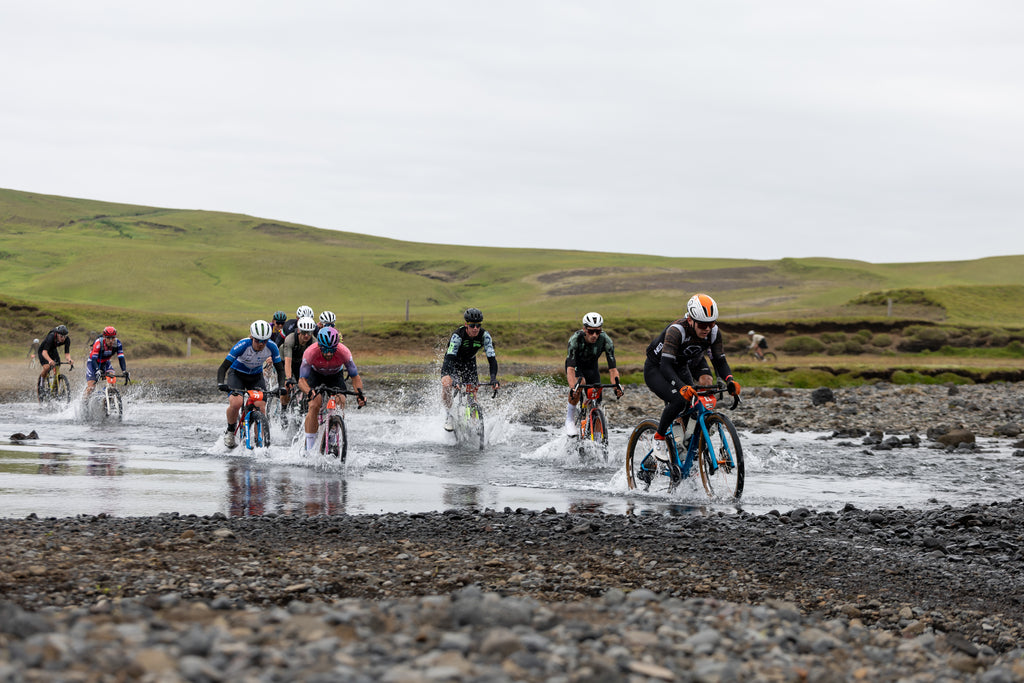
[{"x": 249, "y": 361}]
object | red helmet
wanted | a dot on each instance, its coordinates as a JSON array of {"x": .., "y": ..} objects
[{"x": 109, "y": 331}]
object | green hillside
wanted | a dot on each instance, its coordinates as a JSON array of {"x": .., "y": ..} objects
[{"x": 60, "y": 253}]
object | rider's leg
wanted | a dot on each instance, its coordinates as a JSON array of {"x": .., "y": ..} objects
[{"x": 310, "y": 425}]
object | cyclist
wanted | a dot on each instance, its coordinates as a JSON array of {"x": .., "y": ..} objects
[
  {"x": 243, "y": 369},
  {"x": 300, "y": 313},
  {"x": 295, "y": 344},
  {"x": 103, "y": 350},
  {"x": 48, "y": 353},
  {"x": 676, "y": 360},
  {"x": 328, "y": 319},
  {"x": 324, "y": 364},
  {"x": 277, "y": 336},
  {"x": 757, "y": 344},
  {"x": 585, "y": 349},
  {"x": 32, "y": 351},
  {"x": 459, "y": 363}
]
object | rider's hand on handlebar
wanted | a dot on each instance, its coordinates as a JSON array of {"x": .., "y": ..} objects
[
  {"x": 618, "y": 389},
  {"x": 688, "y": 393},
  {"x": 283, "y": 391},
  {"x": 224, "y": 387},
  {"x": 732, "y": 386},
  {"x": 290, "y": 382},
  {"x": 360, "y": 399}
]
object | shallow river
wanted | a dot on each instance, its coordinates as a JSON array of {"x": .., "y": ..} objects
[{"x": 169, "y": 457}]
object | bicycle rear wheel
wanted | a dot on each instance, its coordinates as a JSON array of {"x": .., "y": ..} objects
[
  {"x": 63, "y": 389},
  {"x": 642, "y": 468},
  {"x": 336, "y": 438},
  {"x": 721, "y": 460}
]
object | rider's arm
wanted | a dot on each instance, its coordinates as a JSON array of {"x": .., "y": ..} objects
[
  {"x": 222, "y": 371},
  {"x": 492, "y": 363},
  {"x": 279, "y": 366}
]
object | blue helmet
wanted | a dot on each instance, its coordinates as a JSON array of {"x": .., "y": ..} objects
[{"x": 327, "y": 339}]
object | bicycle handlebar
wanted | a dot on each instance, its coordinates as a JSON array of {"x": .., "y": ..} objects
[
  {"x": 460, "y": 386},
  {"x": 581, "y": 385},
  {"x": 718, "y": 389}
]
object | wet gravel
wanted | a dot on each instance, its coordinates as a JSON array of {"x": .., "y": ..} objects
[{"x": 534, "y": 595}]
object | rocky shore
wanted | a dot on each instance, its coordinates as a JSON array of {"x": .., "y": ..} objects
[{"x": 534, "y": 595}]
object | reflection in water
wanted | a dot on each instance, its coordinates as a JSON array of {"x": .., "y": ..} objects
[
  {"x": 104, "y": 465},
  {"x": 254, "y": 489},
  {"x": 54, "y": 463},
  {"x": 247, "y": 490},
  {"x": 463, "y": 496}
]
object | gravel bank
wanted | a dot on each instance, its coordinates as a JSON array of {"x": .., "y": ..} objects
[{"x": 517, "y": 595}]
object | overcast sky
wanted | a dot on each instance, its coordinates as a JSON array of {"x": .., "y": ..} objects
[{"x": 882, "y": 131}]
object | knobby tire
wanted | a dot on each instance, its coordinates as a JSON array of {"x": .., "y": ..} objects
[
  {"x": 258, "y": 434},
  {"x": 642, "y": 469},
  {"x": 724, "y": 482},
  {"x": 63, "y": 389},
  {"x": 112, "y": 404},
  {"x": 336, "y": 438}
]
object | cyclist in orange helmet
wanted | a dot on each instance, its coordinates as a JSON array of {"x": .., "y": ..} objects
[{"x": 677, "y": 359}]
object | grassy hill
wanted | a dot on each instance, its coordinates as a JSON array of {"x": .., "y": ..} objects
[{"x": 162, "y": 275}]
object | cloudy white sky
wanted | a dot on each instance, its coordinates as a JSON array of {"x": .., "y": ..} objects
[{"x": 883, "y": 131}]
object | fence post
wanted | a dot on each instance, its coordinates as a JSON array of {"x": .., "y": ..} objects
[{"x": 188, "y": 348}]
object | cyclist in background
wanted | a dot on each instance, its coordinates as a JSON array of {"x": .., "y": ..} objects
[
  {"x": 757, "y": 344},
  {"x": 328, "y": 319},
  {"x": 32, "y": 351},
  {"x": 581, "y": 363},
  {"x": 295, "y": 344},
  {"x": 676, "y": 361},
  {"x": 324, "y": 364},
  {"x": 243, "y": 369},
  {"x": 278, "y": 335},
  {"x": 103, "y": 350},
  {"x": 459, "y": 364},
  {"x": 49, "y": 354},
  {"x": 300, "y": 313}
]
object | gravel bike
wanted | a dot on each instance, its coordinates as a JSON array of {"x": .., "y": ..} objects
[
  {"x": 109, "y": 397},
  {"x": 748, "y": 354},
  {"x": 55, "y": 386},
  {"x": 331, "y": 435},
  {"x": 591, "y": 424},
  {"x": 714, "y": 449},
  {"x": 467, "y": 415},
  {"x": 293, "y": 413},
  {"x": 252, "y": 428}
]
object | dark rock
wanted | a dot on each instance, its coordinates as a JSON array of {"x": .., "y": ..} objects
[{"x": 822, "y": 396}]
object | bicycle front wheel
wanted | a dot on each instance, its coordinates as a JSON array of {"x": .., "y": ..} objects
[
  {"x": 770, "y": 357},
  {"x": 595, "y": 430},
  {"x": 476, "y": 424},
  {"x": 63, "y": 389},
  {"x": 112, "y": 404},
  {"x": 336, "y": 438},
  {"x": 258, "y": 433},
  {"x": 721, "y": 459}
]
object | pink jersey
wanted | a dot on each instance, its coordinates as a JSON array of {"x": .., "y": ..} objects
[{"x": 314, "y": 361}]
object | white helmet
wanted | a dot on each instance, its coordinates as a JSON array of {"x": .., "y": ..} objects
[
  {"x": 306, "y": 324},
  {"x": 751, "y": 333},
  {"x": 260, "y": 330},
  {"x": 304, "y": 312},
  {"x": 702, "y": 308},
  {"x": 327, "y": 318},
  {"x": 593, "y": 319},
  {"x": 35, "y": 341}
]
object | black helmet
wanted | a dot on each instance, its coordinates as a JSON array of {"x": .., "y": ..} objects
[
  {"x": 473, "y": 315},
  {"x": 62, "y": 330},
  {"x": 280, "y": 316}
]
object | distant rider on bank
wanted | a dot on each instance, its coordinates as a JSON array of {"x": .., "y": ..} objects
[
  {"x": 581, "y": 363},
  {"x": 243, "y": 369},
  {"x": 677, "y": 356},
  {"x": 758, "y": 343},
  {"x": 459, "y": 364}
]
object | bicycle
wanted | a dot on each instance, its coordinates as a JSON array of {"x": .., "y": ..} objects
[
  {"x": 467, "y": 415},
  {"x": 55, "y": 386},
  {"x": 293, "y": 413},
  {"x": 591, "y": 423},
  {"x": 332, "y": 436},
  {"x": 252, "y": 428},
  {"x": 748, "y": 354},
  {"x": 110, "y": 397},
  {"x": 714, "y": 448}
]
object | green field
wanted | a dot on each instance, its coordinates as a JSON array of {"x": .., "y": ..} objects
[{"x": 164, "y": 275}]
